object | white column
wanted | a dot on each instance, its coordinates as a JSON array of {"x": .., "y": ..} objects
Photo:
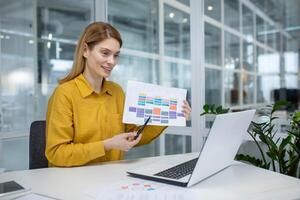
[{"x": 198, "y": 72}]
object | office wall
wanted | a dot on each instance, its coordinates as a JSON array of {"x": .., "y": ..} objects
[
  {"x": 53, "y": 29},
  {"x": 247, "y": 54},
  {"x": 156, "y": 50},
  {"x": 37, "y": 41}
]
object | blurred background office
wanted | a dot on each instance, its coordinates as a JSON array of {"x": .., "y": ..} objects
[{"x": 236, "y": 53}]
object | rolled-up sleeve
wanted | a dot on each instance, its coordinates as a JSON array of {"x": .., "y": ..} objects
[{"x": 149, "y": 134}]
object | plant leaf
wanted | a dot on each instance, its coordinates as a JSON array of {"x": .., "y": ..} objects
[
  {"x": 219, "y": 109},
  {"x": 225, "y": 110},
  {"x": 204, "y": 113},
  {"x": 250, "y": 159},
  {"x": 206, "y": 108},
  {"x": 272, "y": 155},
  {"x": 278, "y": 105},
  {"x": 284, "y": 142},
  {"x": 212, "y": 109}
]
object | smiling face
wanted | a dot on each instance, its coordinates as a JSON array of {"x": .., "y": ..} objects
[{"x": 101, "y": 58}]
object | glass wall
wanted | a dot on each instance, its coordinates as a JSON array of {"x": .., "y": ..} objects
[
  {"x": 37, "y": 42},
  {"x": 212, "y": 45},
  {"x": 212, "y": 9},
  {"x": 247, "y": 56},
  {"x": 291, "y": 64},
  {"x": 232, "y": 51},
  {"x": 58, "y": 28},
  {"x": 213, "y": 86},
  {"x": 17, "y": 49},
  {"x": 176, "y": 33},
  {"x": 17, "y": 66},
  {"x": 247, "y": 50},
  {"x": 231, "y": 14},
  {"x": 156, "y": 50},
  {"x": 247, "y": 23}
]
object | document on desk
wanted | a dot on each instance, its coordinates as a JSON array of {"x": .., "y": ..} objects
[
  {"x": 162, "y": 104},
  {"x": 139, "y": 189},
  {"x": 34, "y": 196}
]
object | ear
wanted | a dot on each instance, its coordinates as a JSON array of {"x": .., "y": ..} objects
[{"x": 85, "y": 50}]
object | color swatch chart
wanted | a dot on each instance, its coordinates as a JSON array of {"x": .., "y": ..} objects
[
  {"x": 160, "y": 109},
  {"x": 137, "y": 190},
  {"x": 137, "y": 186},
  {"x": 162, "y": 104}
]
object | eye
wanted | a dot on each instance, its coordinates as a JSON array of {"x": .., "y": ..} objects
[
  {"x": 105, "y": 53},
  {"x": 117, "y": 55}
]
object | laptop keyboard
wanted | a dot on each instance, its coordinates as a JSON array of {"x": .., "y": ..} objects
[{"x": 179, "y": 171}]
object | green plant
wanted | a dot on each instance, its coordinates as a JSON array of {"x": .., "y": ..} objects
[
  {"x": 282, "y": 154},
  {"x": 295, "y": 131},
  {"x": 212, "y": 109}
]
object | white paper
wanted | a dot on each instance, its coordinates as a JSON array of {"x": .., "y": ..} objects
[
  {"x": 139, "y": 189},
  {"x": 163, "y": 104},
  {"x": 34, "y": 196}
]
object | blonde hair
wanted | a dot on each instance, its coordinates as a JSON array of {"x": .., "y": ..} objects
[{"x": 93, "y": 34}]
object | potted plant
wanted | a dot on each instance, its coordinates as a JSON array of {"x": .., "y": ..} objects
[{"x": 282, "y": 154}]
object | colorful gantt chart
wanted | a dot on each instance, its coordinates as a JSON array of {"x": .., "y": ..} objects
[{"x": 162, "y": 104}]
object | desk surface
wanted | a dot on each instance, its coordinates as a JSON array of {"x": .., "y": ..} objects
[{"x": 240, "y": 181}]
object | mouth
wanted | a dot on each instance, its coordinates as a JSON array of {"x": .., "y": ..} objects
[{"x": 106, "y": 69}]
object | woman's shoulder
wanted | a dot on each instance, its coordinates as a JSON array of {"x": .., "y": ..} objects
[
  {"x": 66, "y": 87},
  {"x": 62, "y": 93},
  {"x": 115, "y": 87}
]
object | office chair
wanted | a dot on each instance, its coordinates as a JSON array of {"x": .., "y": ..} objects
[{"x": 37, "y": 144}]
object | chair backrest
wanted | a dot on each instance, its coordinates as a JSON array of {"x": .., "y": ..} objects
[{"x": 37, "y": 144}]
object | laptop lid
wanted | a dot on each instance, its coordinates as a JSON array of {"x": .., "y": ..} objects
[{"x": 222, "y": 144}]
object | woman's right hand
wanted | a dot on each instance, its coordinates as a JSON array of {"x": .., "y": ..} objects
[{"x": 123, "y": 141}]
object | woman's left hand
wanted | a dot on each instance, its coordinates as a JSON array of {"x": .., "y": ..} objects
[{"x": 186, "y": 109}]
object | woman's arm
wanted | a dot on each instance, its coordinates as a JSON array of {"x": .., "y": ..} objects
[
  {"x": 152, "y": 132},
  {"x": 149, "y": 134}
]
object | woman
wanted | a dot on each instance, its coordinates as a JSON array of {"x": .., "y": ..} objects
[{"x": 84, "y": 117}]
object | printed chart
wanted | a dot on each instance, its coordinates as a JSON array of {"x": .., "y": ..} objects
[
  {"x": 136, "y": 190},
  {"x": 161, "y": 110},
  {"x": 138, "y": 186},
  {"x": 162, "y": 104}
]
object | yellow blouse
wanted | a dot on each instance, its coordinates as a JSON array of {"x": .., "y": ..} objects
[{"x": 78, "y": 120}]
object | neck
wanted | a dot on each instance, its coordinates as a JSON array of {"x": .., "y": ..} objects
[{"x": 94, "y": 81}]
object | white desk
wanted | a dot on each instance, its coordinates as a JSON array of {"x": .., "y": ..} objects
[{"x": 240, "y": 181}]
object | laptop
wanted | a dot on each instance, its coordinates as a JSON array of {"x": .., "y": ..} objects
[{"x": 218, "y": 152}]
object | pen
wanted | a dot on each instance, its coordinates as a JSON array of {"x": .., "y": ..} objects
[{"x": 142, "y": 128}]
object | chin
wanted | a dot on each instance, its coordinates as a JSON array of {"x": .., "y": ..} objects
[{"x": 105, "y": 75}]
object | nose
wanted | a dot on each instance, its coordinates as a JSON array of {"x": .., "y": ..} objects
[{"x": 111, "y": 59}]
